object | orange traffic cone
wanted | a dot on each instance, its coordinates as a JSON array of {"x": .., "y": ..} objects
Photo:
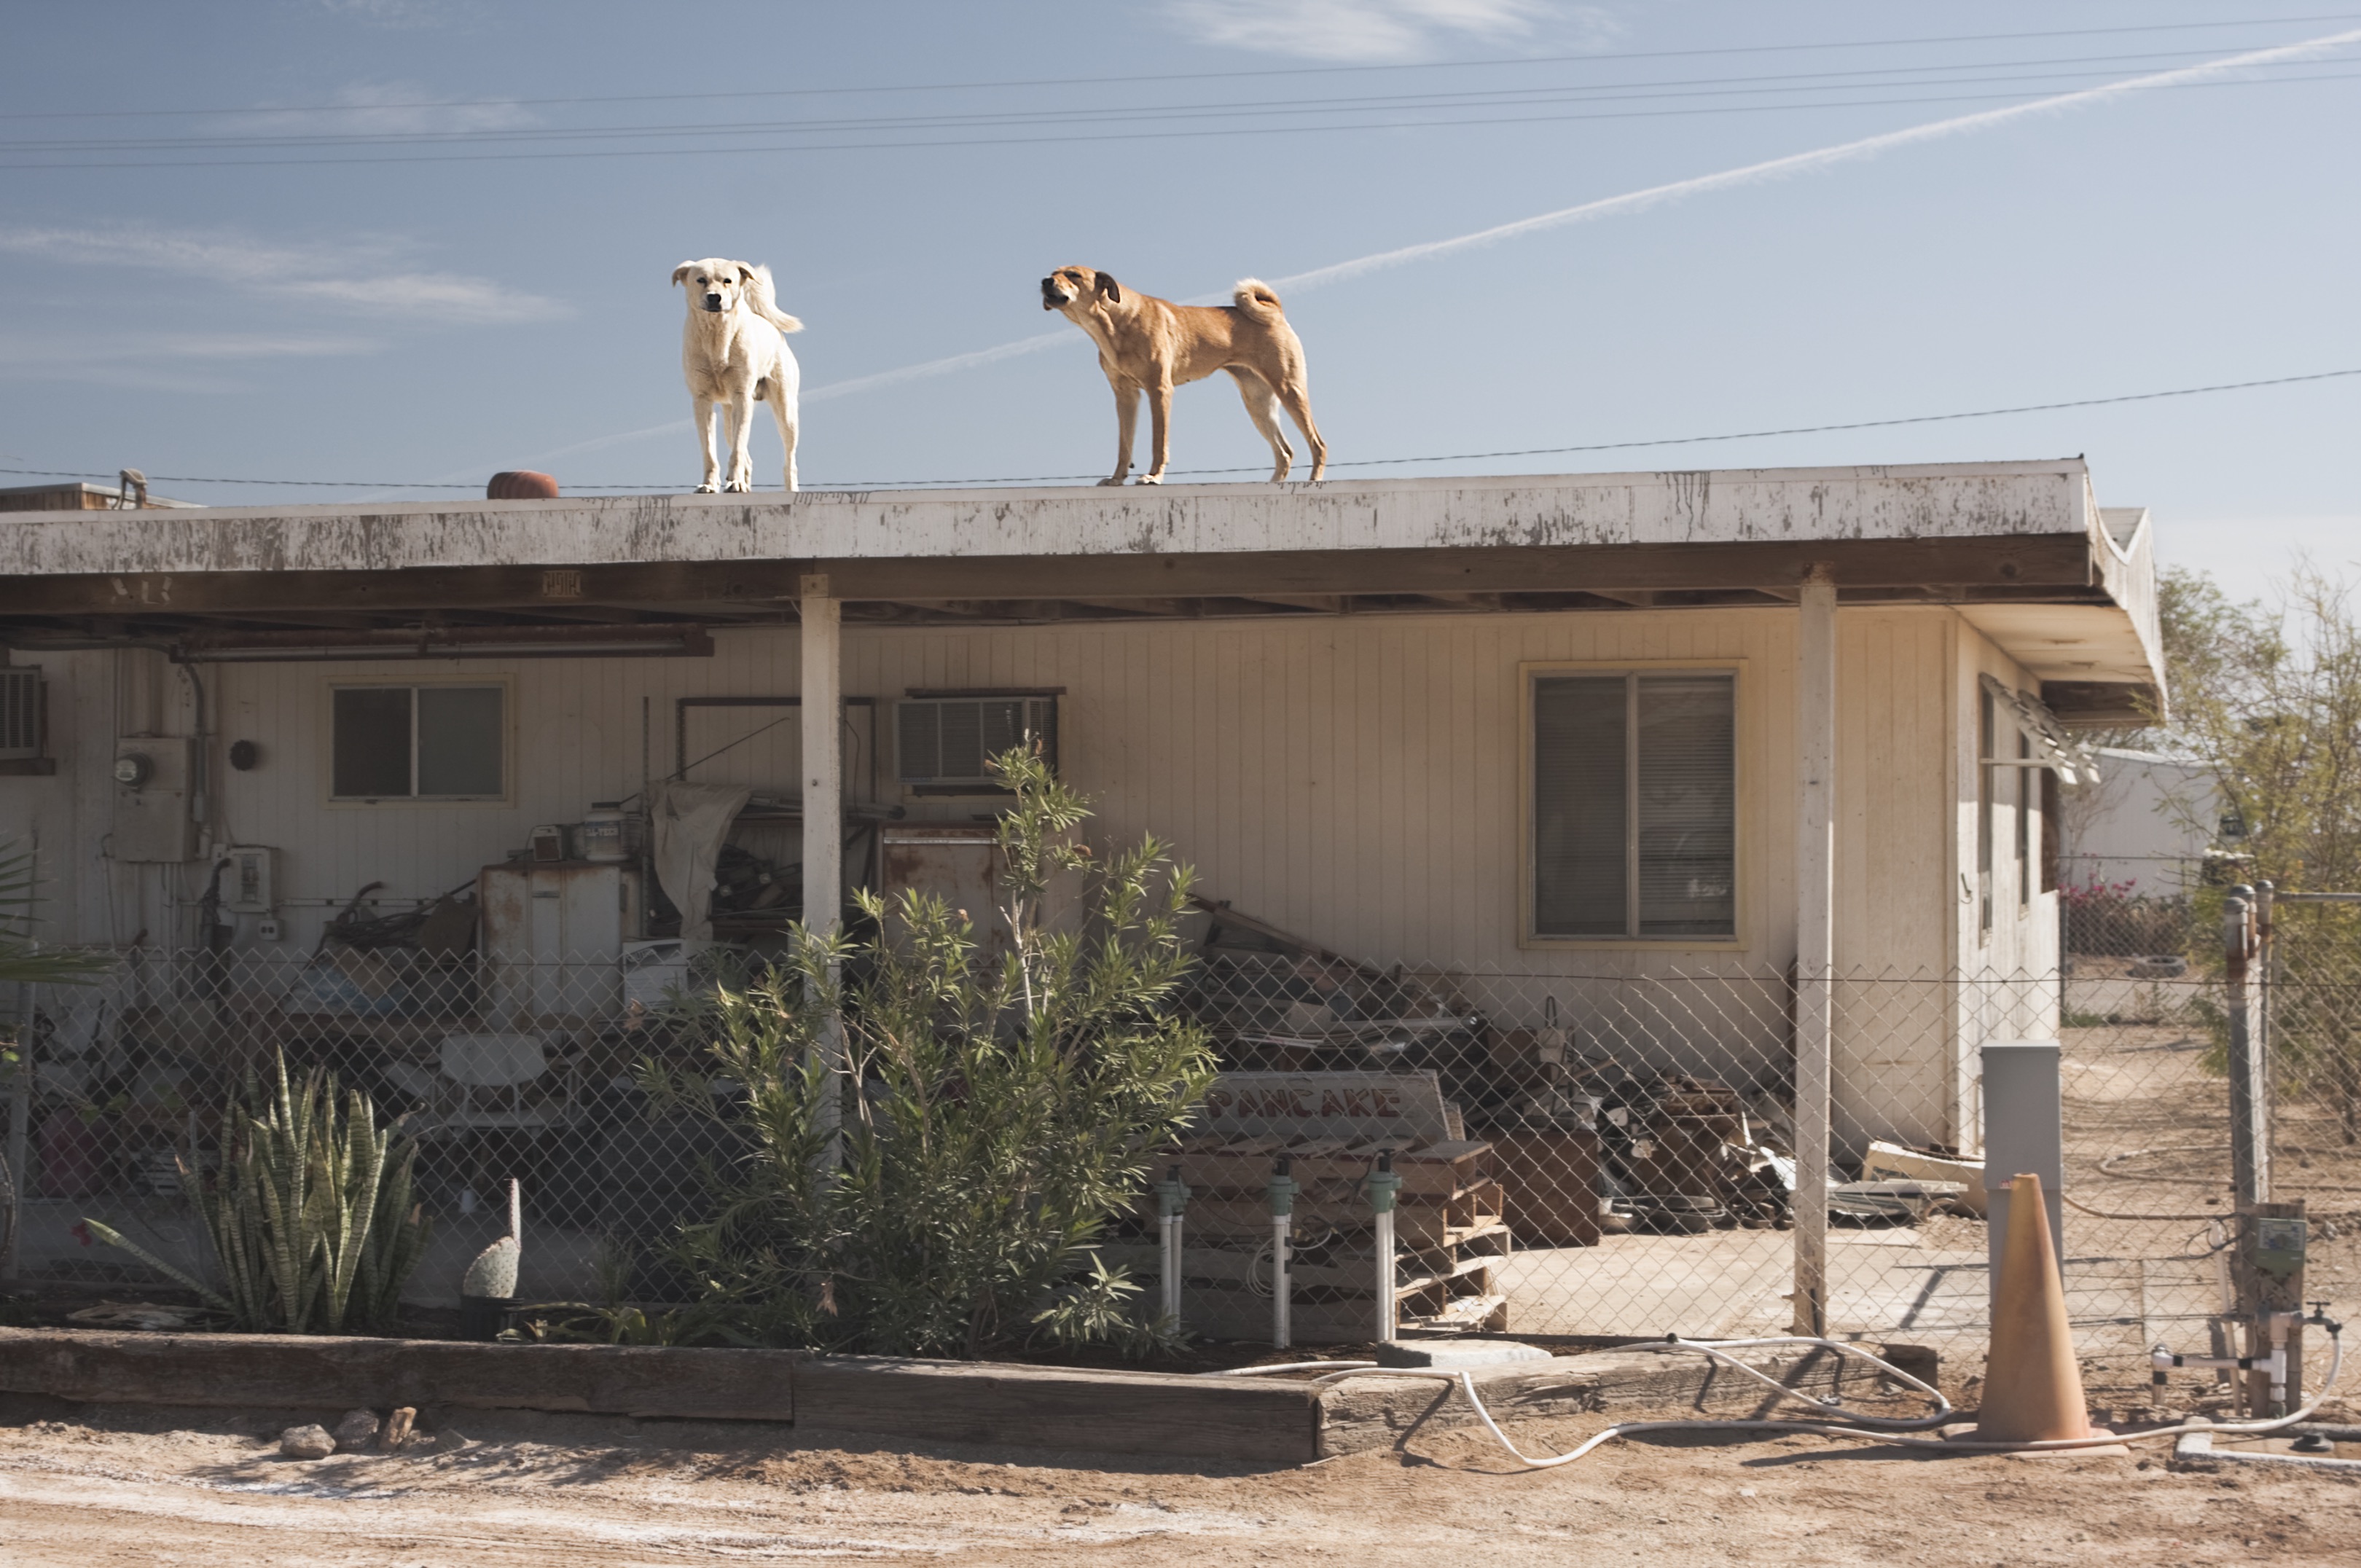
[{"x": 2033, "y": 1388}]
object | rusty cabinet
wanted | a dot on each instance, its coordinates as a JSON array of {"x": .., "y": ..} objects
[{"x": 553, "y": 937}]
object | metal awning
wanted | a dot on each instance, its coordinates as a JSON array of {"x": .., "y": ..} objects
[{"x": 2053, "y": 748}]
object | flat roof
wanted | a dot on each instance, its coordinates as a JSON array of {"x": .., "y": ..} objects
[{"x": 2027, "y": 542}]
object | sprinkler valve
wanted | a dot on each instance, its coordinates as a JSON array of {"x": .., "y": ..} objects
[
  {"x": 1283, "y": 1189},
  {"x": 1171, "y": 1194},
  {"x": 1383, "y": 1184}
]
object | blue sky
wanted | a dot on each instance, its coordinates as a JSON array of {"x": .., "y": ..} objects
[{"x": 420, "y": 240}]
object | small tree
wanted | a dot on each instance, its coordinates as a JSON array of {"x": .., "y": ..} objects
[
  {"x": 939, "y": 1140},
  {"x": 2270, "y": 697}
]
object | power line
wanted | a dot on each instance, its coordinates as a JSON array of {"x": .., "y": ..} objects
[
  {"x": 1065, "y": 137},
  {"x": 1357, "y": 462},
  {"x": 1615, "y": 93},
  {"x": 1196, "y": 75}
]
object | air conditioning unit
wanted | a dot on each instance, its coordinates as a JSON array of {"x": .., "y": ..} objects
[
  {"x": 21, "y": 715},
  {"x": 941, "y": 743}
]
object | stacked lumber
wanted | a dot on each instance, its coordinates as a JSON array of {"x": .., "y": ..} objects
[{"x": 1450, "y": 1237}]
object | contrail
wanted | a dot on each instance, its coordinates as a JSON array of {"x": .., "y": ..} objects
[
  {"x": 1774, "y": 168},
  {"x": 1797, "y": 163},
  {"x": 1630, "y": 202}
]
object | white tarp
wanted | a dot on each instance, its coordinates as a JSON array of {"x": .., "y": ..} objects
[{"x": 691, "y": 821}]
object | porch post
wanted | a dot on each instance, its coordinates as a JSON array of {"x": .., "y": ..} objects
[
  {"x": 822, "y": 708},
  {"x": 1816, "y": 762},
  {"x": 823, "y": 732}
]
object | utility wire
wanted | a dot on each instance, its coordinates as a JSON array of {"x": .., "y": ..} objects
[
  {"x": 1066, "y": 129},
  {"x": 1618, "y": 91},
  {"x": 1195, "y": 75},
  {"x": 1357, "y": 462}
]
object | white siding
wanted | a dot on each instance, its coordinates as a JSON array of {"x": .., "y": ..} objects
[{"x": 1355, "y": 779}]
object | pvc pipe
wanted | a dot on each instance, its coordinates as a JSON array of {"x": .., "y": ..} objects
[
  {"x": 1283, "y": 1187},
  {"x": 1382, "y": 1185},
  {"x": 1868, "y": 1429},
  {"x": 1172, "y": 1205}
]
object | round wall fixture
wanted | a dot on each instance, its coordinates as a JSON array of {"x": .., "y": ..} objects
[
  {"x": 133, "y": 769},
  {"x": 244, "y": 755}
]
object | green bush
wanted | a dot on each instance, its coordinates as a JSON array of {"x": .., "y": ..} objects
[
  {"x": 941, "y": 1139},
  {"x": 310, "y": 1218}
]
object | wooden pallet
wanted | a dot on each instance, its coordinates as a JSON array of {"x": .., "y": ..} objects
[{"x": 1450, "y": 1235}]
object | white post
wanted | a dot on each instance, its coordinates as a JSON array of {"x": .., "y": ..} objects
[
  {"x": 1816, "y": 762},
  {"x": 823, "y": 748}
]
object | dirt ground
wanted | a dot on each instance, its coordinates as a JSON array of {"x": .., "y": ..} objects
[{"x": 84, "y": 1487}]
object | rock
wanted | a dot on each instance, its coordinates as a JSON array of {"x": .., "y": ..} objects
[
  {"x": 306, "y": 1443},
  {"x": 396, "y": 1431},
  {"x": 357, "y": 1431}
]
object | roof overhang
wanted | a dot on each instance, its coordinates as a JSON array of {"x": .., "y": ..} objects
[{"x": 2020, "y": 547}]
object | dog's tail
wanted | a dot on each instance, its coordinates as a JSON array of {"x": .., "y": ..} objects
[
  {"x": 765, "y": 301},
  {"x": 1255, "y": 297}
]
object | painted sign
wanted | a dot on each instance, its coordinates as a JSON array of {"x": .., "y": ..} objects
[{"x": 1391, "y": 1106}]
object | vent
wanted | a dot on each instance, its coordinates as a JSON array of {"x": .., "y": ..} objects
[
  {"x": 21, "y": 714},
  {"x": 943, "y": 743}
]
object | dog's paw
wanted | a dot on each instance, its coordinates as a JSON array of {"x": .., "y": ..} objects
[
  {"x": 707, "y": 488},
  {"x": 735, "y": 487},
  {"x": 1116, "y": 480},
  {"x": 1150, "y": 479}
]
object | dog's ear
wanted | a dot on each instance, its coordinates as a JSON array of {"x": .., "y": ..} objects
[
  {"x": 745, "y": 273},
  {"x": 1110, "y": 288},
  {"x": 683, "y": 270}
]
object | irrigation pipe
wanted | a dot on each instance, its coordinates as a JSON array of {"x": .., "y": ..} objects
[{"x": 1894, "y": 1430}]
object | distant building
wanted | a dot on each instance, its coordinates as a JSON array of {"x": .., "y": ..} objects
[{"x": 2144, "y": 827}]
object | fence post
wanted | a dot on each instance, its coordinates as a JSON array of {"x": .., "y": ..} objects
[
  {"x": 2266, "y": 1048},
  {"x": 20, "y": 1133},
  {"x": 1815, "y": 757},
  {"x": 2250, "y": 1142}
]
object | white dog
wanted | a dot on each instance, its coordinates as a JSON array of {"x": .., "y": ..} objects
[{"x": 734, "y": 352}]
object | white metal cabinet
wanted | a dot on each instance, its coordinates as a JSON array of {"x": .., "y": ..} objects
[{"x": 553, "y": 939}]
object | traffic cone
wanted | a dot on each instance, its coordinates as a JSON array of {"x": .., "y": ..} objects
[{"x": 2033, "y": 1388}]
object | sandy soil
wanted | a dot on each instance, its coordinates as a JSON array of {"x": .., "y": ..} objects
[{"x": 106, "y": 1485}]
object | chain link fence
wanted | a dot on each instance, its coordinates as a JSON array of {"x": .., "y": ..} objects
[{"x": 1596, "y": 1155}]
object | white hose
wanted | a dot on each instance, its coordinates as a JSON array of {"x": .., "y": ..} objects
[{"x": 1873, "y": 1429}]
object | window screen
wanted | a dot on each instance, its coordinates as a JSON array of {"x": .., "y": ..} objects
[
  {"x": 1635, "y": 806},
  {"x": 943, "y": 743},
  {"x": 419, "y": 742}
]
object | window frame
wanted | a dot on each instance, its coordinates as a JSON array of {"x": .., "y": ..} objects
[
  {"x": 506, "y": 685},
  {"x": 980, "y": 788},
  {"x": 1741, "y": 837}
]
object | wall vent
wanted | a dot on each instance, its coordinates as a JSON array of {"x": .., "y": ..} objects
[{"x": 21, "y": 715}]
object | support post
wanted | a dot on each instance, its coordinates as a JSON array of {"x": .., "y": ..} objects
[
  {"x": 1816, "y": 760},
  {"x": 823, "y": 748},
  {"x": 2250, "y": 1137},
  {"x": 1283, "y": 1187}
]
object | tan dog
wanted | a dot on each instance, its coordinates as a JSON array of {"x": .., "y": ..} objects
[
  {"x": 734, "y": 352},
  {"x": 1148, "y": 344}
]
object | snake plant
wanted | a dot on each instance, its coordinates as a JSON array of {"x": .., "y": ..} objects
[{"x": 310, "y": 1218}]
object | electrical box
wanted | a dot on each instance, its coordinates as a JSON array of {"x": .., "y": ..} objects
[
  {"x": 154, "y": 777},
  {"x": 249, "y": 879}
]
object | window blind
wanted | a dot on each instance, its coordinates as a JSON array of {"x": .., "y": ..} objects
[
  {"x": 1635, "y": 804},
  {"x": 1581, "y": 873}
]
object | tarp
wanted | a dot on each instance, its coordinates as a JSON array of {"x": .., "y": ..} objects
[{"x": 691, "y": 821}]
